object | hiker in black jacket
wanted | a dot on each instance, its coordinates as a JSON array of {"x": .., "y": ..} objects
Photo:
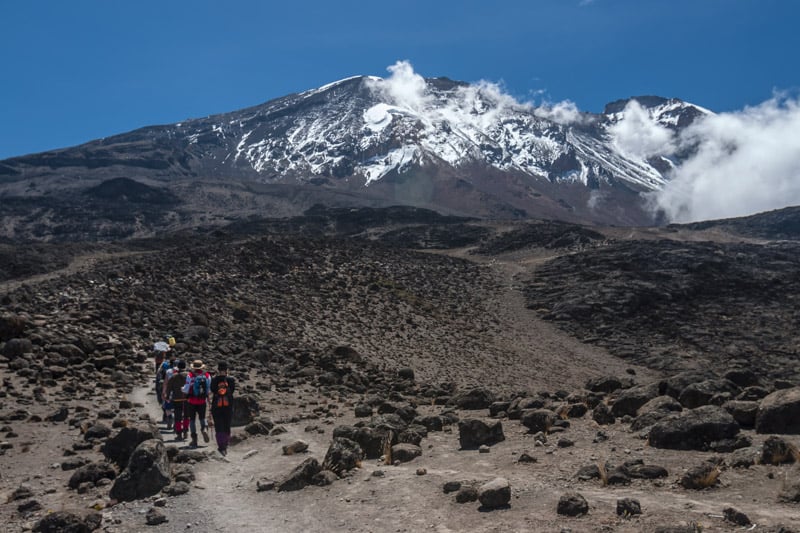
[{"x": 222, "y": 387}]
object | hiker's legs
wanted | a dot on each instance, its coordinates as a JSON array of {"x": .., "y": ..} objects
[
  {"x": 222, "y": 426},
  {"x": 200, "y": 411},
  {"x": 178, "y": 407}
]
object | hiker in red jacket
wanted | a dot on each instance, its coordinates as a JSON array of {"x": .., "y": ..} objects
[{"x": 197, "y": 390}]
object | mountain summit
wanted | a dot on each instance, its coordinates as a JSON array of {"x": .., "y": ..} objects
[{"x": 458, "y": 148}]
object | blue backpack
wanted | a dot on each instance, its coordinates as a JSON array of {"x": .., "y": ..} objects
[{"x": 200, "y": 386}]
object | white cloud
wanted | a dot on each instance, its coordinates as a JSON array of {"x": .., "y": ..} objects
[
  {"x": 745, "y": 162},
  {"x": 405, "y": 87},
  {"x": 638, "y": 135},
  {"x": 565, "y": 112}
]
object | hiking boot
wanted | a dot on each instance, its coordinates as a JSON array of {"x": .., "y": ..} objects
[
  {"x": 204, "y": 431},
  {"x": 223, "y": 452},
  {"x": 169, "y": 422},
  {"x": 193, "y": 444}
]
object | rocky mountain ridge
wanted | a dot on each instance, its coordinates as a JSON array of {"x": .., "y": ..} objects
[{"x": 445, "y": 145}]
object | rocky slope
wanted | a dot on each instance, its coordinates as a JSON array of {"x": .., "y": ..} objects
[{"x": 337, "y": 330}]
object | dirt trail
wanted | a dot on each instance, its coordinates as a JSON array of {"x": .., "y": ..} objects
[{"x": 77, "y": 264}]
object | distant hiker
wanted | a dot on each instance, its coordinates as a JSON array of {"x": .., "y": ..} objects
[
  {"x": 174, "y": 391},
  {"x": 197, "y": 387},
  {"x": 161, "y": 378},
  {"x": 160, "y": 349},
  {"x": 222, "y": 387}
]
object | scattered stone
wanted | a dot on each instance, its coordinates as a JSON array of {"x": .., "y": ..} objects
[
  {"x": 264, "y": 484},
  {"x": 777, "y": 450},
  {"x": 66, "y": 522},
  {"x": 627, "y": 507},
  {"x": 300, "y": 477},
  {"x": 701, "y": 477},
  {"x": 478, "y": 398},
  {"x": 29, "y": 506},
  {"x": 736, "y": 517},
  {"x": 495, "y": 493},
  {"x": 176, "y": 489},
  {"x": 298, "y": 446},
  {"x": 342, "y": 455},
  {"x": 146, "y": 474},
  {"x": 451, "y": 486},
  {"x": 119, "y": 447},
  {"x": 473, "y": 432},
  {"x": 538, "y": 420},
  {"x": 779, "y": 412},
  {"x": 602, "y": 415},
  {"x": 405, "y": 452},
  {"x": 92, "y": 473},
  {"x": 467, "y": 494},
  {"x": 155, "y": 517},
  {"x": 324, "y": 478},
  {"x": 693, "y": 429},
  {"x": 421, "y": 471},
  {"x": 564, "y": 442},
  {"x": 572, "y": 504}
]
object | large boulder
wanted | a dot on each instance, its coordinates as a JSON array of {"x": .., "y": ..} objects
[
  {"x": 14, "y": 348},
  {"x": 473, "y": 432},
  {"x": 495, "y": 493},
  {"x": 119, "y": 447},
  {"x": 66, "y": 522},
  {"x": 342, "y": 455},
  {"x": 537, "y": 420},
  {"x": 405, "y": 452},
  {"x": 704, "y": 392},
  {"x": 742, "y": 411},
  {"x": 145, "y": 475},
  {"x": 301, "y": 476},
  {"x": 608, "y": 384},
  {"x": 92, "y": 472},
  {"x": 245, "y": 410},
  {"x": 371, "y": 441},
  {"x": 478, "y": 398},
  {"x": 693, "y": 429},
  {"x": 12, "y": 325},
  {"x": 779, "y": 412},
  {"x": 572, "y": 504},
  {"x": 674, "y": 385},
  {"x": 630, "y": 400}
]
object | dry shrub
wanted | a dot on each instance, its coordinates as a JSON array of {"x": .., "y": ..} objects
[
  {"x": 601, "y": 468},
  {"x": 387, "y": 448},
  {"x": 710, "y": 479}
]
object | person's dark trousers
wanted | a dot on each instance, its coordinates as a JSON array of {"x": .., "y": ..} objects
[
  {"x": 181, "y": 417},
  {"x": 200, "y": 411},
  {"x": 222, "y": 425}
]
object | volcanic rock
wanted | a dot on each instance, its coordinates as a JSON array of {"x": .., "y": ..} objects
[{"x": 780, "y": 412}]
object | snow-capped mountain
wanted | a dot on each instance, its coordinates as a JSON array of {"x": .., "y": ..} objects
[{"x": 436, "y": 143}]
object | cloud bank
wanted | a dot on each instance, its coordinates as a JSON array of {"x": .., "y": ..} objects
[
  {"x": 639, "y": 136},
  {"x": 744, "y": 162},
  {"x": 479, "y": 104},
  {"x": 740, "y": 163}
]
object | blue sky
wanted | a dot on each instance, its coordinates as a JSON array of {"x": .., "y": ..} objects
[{"x": 79, "y": 70}]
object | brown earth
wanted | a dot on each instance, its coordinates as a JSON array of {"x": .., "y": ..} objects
[{"x": 275, "y": 307}]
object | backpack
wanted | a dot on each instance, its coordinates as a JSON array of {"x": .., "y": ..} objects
[
  {"x": 222, "y": 396},
  {"x": 199, "y": 386},
  {"x": 162, "y": 372}
]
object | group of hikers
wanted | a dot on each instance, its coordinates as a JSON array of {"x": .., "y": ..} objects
[{"x": 185, "y": 394}]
